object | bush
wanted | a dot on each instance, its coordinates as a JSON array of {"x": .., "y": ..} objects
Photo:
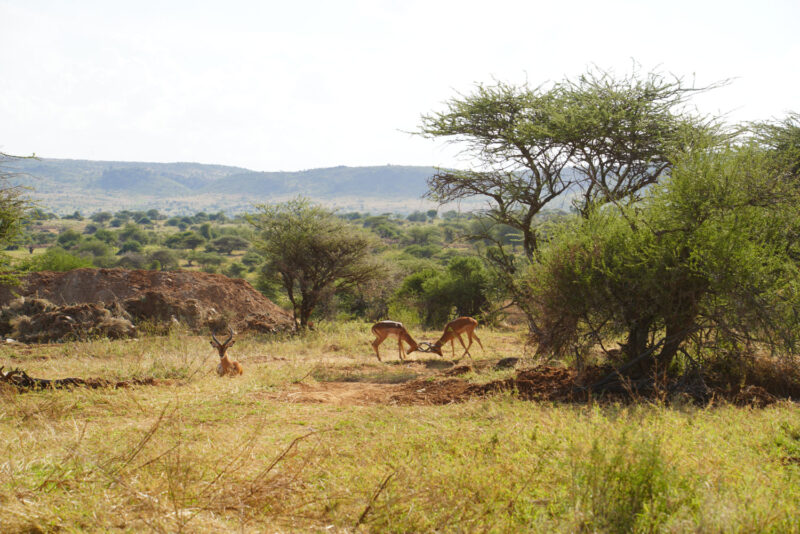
[
  {"x": 252, "y": 260},
  {"x": 69, "y": 238},
  {"x": 54, "y": 259},
  {"x": 461, "y": 290},
  {"x": 162, "y": 260},
  {"x": 235, "y": 270},
  {"x": 132, "y": 260},
  {"x": 131, "y": 232},
  {"x": 707, "y": 259},
  {"x": 130, "y": 246}
]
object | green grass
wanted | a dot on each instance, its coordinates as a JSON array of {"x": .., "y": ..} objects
[{"x": 205, "y": 454}]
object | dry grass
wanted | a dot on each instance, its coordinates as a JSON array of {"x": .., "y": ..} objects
[{"x": 209, "y": 454}]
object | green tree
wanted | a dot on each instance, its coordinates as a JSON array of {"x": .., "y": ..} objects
[
  {"x": 69, "y": 238},
  {"x": 313, "y": 253},
  {"x": 251, "y": 260},
  {"x": 76, "y": 216},
  {"x": 440, "y": 295},
  {"x": 599, "y": 138},
  {"x": 235, "y": 270},
  {"x": 708, "y": 259},
  {"x": 423, "y": 235},
  {"x": 184, "y": 240},
  {"x": 131, "y": 232},
  {"x": 207, "y": 231},
  {"x": 154, "y": 214},
  {"x": 106, "y": 236},
  {"x": 165, "y": 259},
  {"x": 101, "y": 217},
  {"x": 94, "y": 248},
  {"x": 132, "y": 260},
  {"x": 208, "y": 261},
  {"x": 130, "y": 246},
  {"x": 228, "y": 243}
]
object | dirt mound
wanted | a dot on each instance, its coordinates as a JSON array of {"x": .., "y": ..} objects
[{"x": 200, "y": 300}]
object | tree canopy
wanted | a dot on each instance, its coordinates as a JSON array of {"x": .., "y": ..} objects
[
  {"x": 312, "y": 253},
  {"x": 708, "y": 259},
  {"x": 596, "y": 139},
  {"x": 600, "y": 138}
]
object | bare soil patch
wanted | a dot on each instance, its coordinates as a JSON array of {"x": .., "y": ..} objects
[
  {"x": 541, "y": 383},
  {"x": 442, "y": 386}
]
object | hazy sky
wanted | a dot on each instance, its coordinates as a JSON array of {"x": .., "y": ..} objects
[{"x": 293, "y": 85}]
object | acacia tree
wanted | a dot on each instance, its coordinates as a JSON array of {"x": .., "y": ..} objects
[
  {"x": 782, "y": 138},
  {"x": 598, "y": 139},
  {"x": 312, "y": 253}
]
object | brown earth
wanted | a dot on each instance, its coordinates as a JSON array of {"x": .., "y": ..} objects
[
  {"x": 441, "y": 387},
  {"x": 542, "y": 383},
  {"x": 200, "y": 300}
]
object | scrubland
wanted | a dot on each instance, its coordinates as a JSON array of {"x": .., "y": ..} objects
[{"x": 258, "y": 453}]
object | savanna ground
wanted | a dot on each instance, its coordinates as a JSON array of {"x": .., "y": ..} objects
[{"x": 318, "y": 436}]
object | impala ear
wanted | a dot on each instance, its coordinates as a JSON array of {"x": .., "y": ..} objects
[{"x": 231, "y": 343}]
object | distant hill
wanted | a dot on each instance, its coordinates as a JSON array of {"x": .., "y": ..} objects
[{"x": 64, "y": 186}]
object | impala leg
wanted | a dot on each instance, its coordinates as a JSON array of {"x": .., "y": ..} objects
[
  {"x": 466, "y": 347},
  {"x": 400, "y": 350},
  {"x": 376, "y": 344},
  {"x": 473, "y": 334}
]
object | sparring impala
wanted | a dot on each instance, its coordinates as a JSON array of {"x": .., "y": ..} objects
[
  {"x": 226, "y": 366},
  {"x": 384, "y": 329},
  {"x": 453, "y": 330}
]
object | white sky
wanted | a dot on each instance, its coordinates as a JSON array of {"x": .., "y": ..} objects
[{"x": 294, "y": 85}]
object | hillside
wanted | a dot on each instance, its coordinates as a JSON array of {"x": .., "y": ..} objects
[{"x": 66, "y": 185}]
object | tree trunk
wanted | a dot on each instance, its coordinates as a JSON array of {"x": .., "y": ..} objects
[
  {"x": 636, "y": 344},
  {"x": 676, "y": 332}
]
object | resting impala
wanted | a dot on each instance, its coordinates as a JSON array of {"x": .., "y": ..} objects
[
  {"x": 384, "y": 329},
  {"x": 226, "y": 366},
  {"x": 453, "y": 330}
]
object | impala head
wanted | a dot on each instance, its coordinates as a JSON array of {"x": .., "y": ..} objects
[
  {"x": 222, "y": 347},
  {"x": 436, "y": 349}
]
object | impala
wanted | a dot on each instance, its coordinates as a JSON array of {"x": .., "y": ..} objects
[
  {"x": 453, "y": 330},
  {"x": 384, "y": 329},
  {"x": 226, "y": 366}
]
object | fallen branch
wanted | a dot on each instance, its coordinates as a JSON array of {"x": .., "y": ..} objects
[{"x": 24, "y": 382}]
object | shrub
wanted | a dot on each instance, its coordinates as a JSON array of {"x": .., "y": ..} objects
[
  {"x": 163, "y": 260},
  {"x": 461, "y": 289},
  {"x": 54, "y": 259},
  {"x": 69, "y": 238},
  {"x": 706, "y": 259}
]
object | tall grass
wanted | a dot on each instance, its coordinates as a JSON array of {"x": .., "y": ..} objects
[
  {"x": 207, "y": 454},
  {"x": 628, "y": 486}
]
